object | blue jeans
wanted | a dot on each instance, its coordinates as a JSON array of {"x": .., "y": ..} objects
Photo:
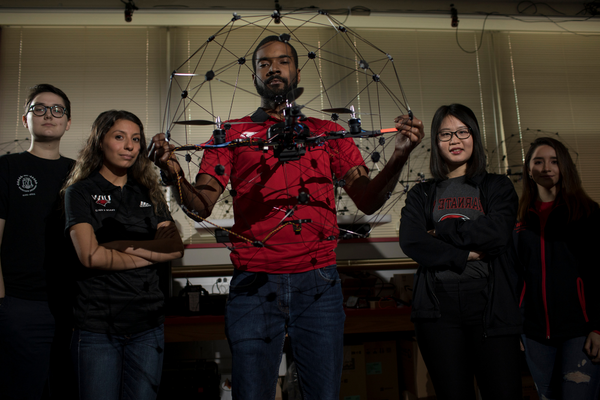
[
  {"x": 26, "y": 334},
  {"x": 562, "y": 370},
  {"x": 118, "y": 367},
  {"x": 262, "y": 308}
]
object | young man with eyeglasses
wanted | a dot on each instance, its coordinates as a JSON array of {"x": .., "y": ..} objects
[{"x": 32, "y": 246}]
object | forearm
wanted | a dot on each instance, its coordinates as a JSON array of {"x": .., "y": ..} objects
[
  {"x": 382, "y": 186},
  {"x": 415, "y": 241},
  {"x": 94, "y": 256},
  {"x": 155, "y": 251},
  {"x": 198, "y": 199},
  {"x": 370, "y": 195},
  {"x": 111, "y": 259},
  {"x": 489, "y": 233}
]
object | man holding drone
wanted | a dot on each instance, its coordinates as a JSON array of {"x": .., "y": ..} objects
[{"x": 285, "y": 280}]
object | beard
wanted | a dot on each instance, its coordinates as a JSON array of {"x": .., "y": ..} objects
[{"x": 273, "y": 96}]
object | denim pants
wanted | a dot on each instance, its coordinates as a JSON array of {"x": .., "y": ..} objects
[
  {"x": 262, "y": 308},
  {"x": 118, "y": 367},
  {"x": 455, "y": 350},
  {"x": 562, "y": 370},
  {"x": 26, "y": 334}
]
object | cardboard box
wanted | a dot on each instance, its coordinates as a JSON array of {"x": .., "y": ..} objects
[
  {"x": 354, "y": 385},
  {"x": 416, "y": 378},
  {"x": 406, "y": 395},
  {"x": 529, "y": 390},
  {"x": 382, "y": 370}
]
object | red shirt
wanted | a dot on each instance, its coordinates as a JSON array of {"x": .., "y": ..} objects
[{"x": 266, "y": 191}]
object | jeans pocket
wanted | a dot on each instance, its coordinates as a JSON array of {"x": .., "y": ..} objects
[
  {"x": 243, "y": 281},
  {"x": 329, "y": 274}
]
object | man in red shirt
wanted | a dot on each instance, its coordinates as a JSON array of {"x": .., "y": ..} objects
[{"x": 285, "y": 279}]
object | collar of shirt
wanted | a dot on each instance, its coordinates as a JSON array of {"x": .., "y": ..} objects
[
  {"x": 260, "y": 115},
  {"x": 106, "y": 186}
]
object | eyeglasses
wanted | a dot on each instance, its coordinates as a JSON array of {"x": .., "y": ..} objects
[
  {"x": 40, "y": 110},
  {"x": 462, "y": 134}
]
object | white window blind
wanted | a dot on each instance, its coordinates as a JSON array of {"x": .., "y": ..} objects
[
  {"x": 98, "y": 68},
  {"x": 550, "y": 84}
]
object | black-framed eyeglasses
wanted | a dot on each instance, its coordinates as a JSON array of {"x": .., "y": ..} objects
[
  {"x": 462, "y": 134},
  {"x": 40, "y": 110}
]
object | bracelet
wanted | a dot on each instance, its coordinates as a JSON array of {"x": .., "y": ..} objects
[{"x": 168, "y": 182}]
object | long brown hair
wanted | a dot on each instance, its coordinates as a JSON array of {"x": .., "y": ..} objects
[
  {"x": 91, "y": 157},
  {"x": 570, "y": 192}
]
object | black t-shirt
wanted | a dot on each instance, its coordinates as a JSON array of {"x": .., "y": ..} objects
[
  {"x": 33, "y": 245},
  {"x": 455, "y": 198},
  {"x": 117, "y": 302}
]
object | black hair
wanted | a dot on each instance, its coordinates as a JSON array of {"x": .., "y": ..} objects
[
  {"x": 269, "y": 39},
  {"x": 47, "y": 88},
  {"x": 476, "y": 163}
]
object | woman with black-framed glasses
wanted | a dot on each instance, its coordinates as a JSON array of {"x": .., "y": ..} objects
[{"x": 457, "y": 227}]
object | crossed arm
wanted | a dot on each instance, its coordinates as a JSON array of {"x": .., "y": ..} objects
[{"x": 124, "y": 254}]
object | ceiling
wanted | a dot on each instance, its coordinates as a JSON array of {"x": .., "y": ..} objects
[
  {"x": 507, "y": 15},
  {"x": 512, "y": 7}
]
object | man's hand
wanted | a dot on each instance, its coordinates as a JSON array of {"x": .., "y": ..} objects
[
  {"x": 410, "y": 133},
  {"x": 160, "y": 153},
  {"x": 476, "y": 255}
]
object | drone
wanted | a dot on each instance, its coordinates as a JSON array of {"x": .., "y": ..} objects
[{"x": 290, "y": 138}]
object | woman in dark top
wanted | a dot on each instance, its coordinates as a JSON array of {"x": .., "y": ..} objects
[
  {"x": 557, "y": 240},
  {"x": 457, "y": 228},
  {"x": 118, "y": 221}
]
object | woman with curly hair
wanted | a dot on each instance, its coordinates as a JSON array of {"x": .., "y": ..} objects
[
  {"x": 557, "y": 238},
  {"x": 118, "y": 221}
]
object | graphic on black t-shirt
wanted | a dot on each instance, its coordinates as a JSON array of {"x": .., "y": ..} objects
[
  {"x": 27, "y": 183},
  {"x": 101, "y": 199},
  {"x": 450, "y": 216},
  {"x": 453, "y": 203}
]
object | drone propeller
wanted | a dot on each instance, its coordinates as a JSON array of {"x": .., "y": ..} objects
[
  {"x": 342, "y": 110},
  {"x": 196, "y": 122},
  {"x": 203, "y": 122}
]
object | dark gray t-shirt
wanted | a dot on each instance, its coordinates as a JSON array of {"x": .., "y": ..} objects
[{"x": 455, "y": 198}]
